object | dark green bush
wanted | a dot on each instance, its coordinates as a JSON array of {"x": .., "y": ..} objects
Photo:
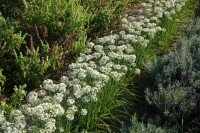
[
  {"x": 176, "y": 89},
  {"x": 103, "y": 11},
  {"x": 59, "y": 16}
]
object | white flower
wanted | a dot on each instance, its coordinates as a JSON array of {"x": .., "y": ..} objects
[
  {"x": 93, "y": 97},
  {"x": 130, "y": 58},
  {"x": 124, "y": 68},
  {"x": 117, "y": 67},
  {"x": 79, "y": 59},
  {"x": 86, "y": 99},
  {"x": 47, "y": 99},
  {"x": 104, "y": 60},
  {"x": 131, "y": 18},
  {"x": 115, "y": 75},
  {"x": 64, "y": 79},
  {"x": 83, "y": 112},
  {"x": 61, "y": 129},
  {"x": 58, "y": 97},
  {"x": 57, "y": 110},
  {"x": 96, "y": 55},
  {"x": 2, "y": 117},
  {"x": 82, "y": 75},
  {"x": 90, "y": 44},
  {"x": 70, "y": 116},
  {"x": 167, "y": 14},
  {"x": 73, "y": 108},
  {"x": 41, "y": 93},
  {"x": 137, "y": 71},
  {"x": 32, "y": 97},
  {"x": 122, "y": 33},
  {"x": 70, "y": 101},
  {"x": 50, "y": 126},
  {"x": 62, "y": 88},
  {"x": 104, "y": 77},
  {"x": 92, "y": 64},
  {"x": 86, "y": 89},
  {"x": 124, "y": 20},
  {"x": 112, "y": 47},
  {"x": 93, "y": 73}
]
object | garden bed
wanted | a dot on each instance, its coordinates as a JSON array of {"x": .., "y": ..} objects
[{"x": 85, "y": 98}]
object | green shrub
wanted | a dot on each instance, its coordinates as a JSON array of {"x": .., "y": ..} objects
[
  {"x": 10, "y": 7},
  {"x": 176, "y": 89},
  {"x": 103, "y": 11},
  {"x": 194, "y": 28},
  {"x": 18, "y": 96},
  {"x": 141, "y": 127},
  {"x": 32, "y": 67},
  {"x": 60, "y": 17},
  {"x": 28, "y": 64}
]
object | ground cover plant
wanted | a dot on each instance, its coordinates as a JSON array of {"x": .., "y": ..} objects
[{"x": 86, "y": 97}]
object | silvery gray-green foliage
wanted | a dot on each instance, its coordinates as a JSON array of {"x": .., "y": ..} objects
[
  {"x": 176, "y": 90},
  {"x": 194, "y": 27},
  {"x": 140, "y": 127}
]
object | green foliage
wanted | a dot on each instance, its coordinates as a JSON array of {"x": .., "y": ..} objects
[
  {"x": 32, "y": 66},
  {"x": 174, "y": 102},
  {"x": 28, "y": 64},
  {"x": 10, "y": 7},
  {"x": 194, "y": 28},
  {"x": 9, "y": 40},
  {"x": 2, "y": 79},
  {"x": 176, "y": 89},
  {"x": 103, "y": 11},
  {"x": 5, "y": 107},
  {"x": 17, "y": 96},
  {"x": 16, "y": 100},
  {"x": 58, "y": 16},
  {"x": 140, "y": 127}
]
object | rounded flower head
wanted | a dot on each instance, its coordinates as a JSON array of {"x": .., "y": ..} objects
[{"x": 83, "y": 112}]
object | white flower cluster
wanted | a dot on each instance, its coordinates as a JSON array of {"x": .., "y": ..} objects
[
  {"x": 16, "y": 122},
  {"x": 110, "y": 59}
]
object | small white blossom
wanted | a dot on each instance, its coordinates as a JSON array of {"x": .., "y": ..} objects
[
  {"x": 137, "y": 71},
  {"x": 83, "y": 112}
]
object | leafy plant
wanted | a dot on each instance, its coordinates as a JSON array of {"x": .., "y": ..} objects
[
  {"x": 2, "y": 79},
  {"x": 28, "y": 64},
  {"x": 17, "y": 96},
  {"x": 176, "y": 90},
  {"x": 141, "y": 127},
  {"x": 60, "y": 17},
  {"x": 103, "y": 12}
]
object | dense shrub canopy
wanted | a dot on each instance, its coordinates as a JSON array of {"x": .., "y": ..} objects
[{"x": 176, "y": 90}]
